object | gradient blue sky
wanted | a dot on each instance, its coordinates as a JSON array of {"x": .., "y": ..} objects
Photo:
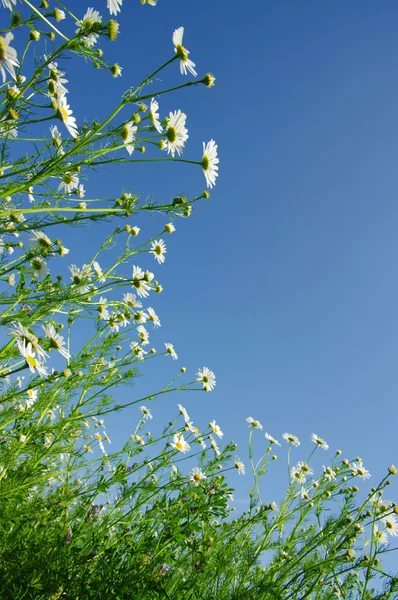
[{"x": 285, "y": 281}]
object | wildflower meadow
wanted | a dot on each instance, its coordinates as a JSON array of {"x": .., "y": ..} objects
[{"x": 84, "y": 516}]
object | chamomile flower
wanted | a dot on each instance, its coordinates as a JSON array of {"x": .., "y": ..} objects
[
  {"x": 215, "y": 446},
  {"x": 183, "y": 412},
  {"x": 319, "y": 441},
  {"x": 57, "y": 79},
  {"x": 69, "y": 182},
  {"x": 255, "y": 424},
  {"x": 131, "y": 300},
  {"x": 32, "y": 397},
  {"x": 23, "y": 334},
  {"x": 8, "y": 56},
  {"x": 81, "y": 192},
  {"x": 153, "y": 317},
  {"x": 216, "y": 429},
  {"x": 56, "y": 138},
  {"x": 210, "y": 162},
  {"x": 179, "y": 443},
  {"x": 151, "y": 2},
  {"x": 292, "y": 439},
  {"x": 154, "y": 115},
  {"x": 380, "y": 535},
  {"x": 196, "y": 476},
  {"x": 158, "y": 249},
  {"x": 98, "y": 271},
  {"x": 207, "y": 377},
  {"x": 176, "y": 132},
  {"x": 40, "y": 240},
  {"x": 65, "y": 113},
  {"x": 169, "y": 228},
  {"x": 239, "y": 465},
  {"x": 329, "y": 473},
  {"x": 182, "y": 53},
  {"x": 114, "y": 6},
  {"x": 128, "y": 136},
  {"x": 170, "y": 350},
  {"x": 271, "y": 439},
  {"x": 56, "y": 340},
  {"x": 140, "y": 282},
  {"x": 29, "y": 355},
  {"x": 301, "y": 471},
  {"x": 391, "y": 524},
  {"x": 39, "y": 267},
  {"x": 90, "y": 22},
  {"x": 358, "y": 470},
  {"x": 144, "y": 336},
  {"x": 140, "y": 317},
  {"x": 146, "y": 413}
]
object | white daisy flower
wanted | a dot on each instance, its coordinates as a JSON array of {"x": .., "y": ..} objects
[
  {"x": 170, "y": 350},
  {"x": 153, "y": 317},
  {"x": 140, "y": 317},
  {"x": 98, "y": 271},
  {"x": 138, "y": 351},
  {"x": 56, "y": 138},
  {"x": 40, "y": 240},
  {"x": 380, "y": 535},
  {"x": 69, "y": 182},
  {"x": 24, "y": 335},
  {"x": 140, "y": 282},
  {"x": 90, "y": 19},
  {"x": 216, "y": 429},
  {"x": 81, "y": 192},
  {"x": 26, "y": 350},
  {"x": 179, "y": 443},
  {"x": 319, "y": 441},
  {"x": 207, "y": 377},
  {"x": 128, "y": 135},
  {"x": 65, "y": 113},
  {"x": 214, "y": 445},
  {"x": 271, "y": 439},
  {"x": 56, "y": 340},
  {"x": 8, "y": 129},
  {"x": 58, "y": 79},
  {"x": 8, "y": 57},
  {"x": 151, "y": 2},
  {"x": 186, "y": 63},
  {"x": 131, "y": 300},
  {"x": 254, "y": 423},
  {"x": 196, "y": 476},
  {"x": 301, "y": 471},
  {"x": 169, "y": 228},
  {"x": 202, "y": 443},
  {"x": 158, "y": 249},
  {"x": 144, "y": 336},
  {"x": 39, "y": 267},
  {"x": 357, "y": 469},
  {"x": 239, "y": 465},
  {"x": 292, "y": 439},
  {"x": 176, "y": 132},
  {"x": 329, "y": 473},
  {"x": 183, "y": 412},
  {"x": 103, "y": 311},
  {"x": 32, "y": 397},
  {"x": 154, "y": 115},
  {"x": 146, "y": 412},
  {"x": 391, "y": 524},
  {"x": 210, "y": 162},
  {"x": 114, "y": 6}
]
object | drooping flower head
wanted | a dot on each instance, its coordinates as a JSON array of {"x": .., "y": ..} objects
[
  {"x": 186, "y": 63},
  {"x": 8, "y": 56},
  {"x": 210, "y": 162}
]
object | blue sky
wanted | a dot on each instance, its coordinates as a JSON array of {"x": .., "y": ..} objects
[{"x": 284, "y": 282}]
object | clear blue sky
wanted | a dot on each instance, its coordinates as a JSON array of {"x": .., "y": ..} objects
[{"x": 285, "y": 281}]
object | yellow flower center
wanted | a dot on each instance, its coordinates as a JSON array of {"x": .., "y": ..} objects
[
  {"x": 181, "y": 52},
  {"x": 2, "y": 50},
  {"x": 179, "y": 446},
  {"x": 158, "y": 250},
  {"x": 197, "y": 477},
  {"x": 32, "y": 361},
  {"x": 64, "y": 114},
  {"x": 171, "y": 134},
  {"x": 205, "y": 163}
]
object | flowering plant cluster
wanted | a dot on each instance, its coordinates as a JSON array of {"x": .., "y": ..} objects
[{"x": 152, "y": 517}]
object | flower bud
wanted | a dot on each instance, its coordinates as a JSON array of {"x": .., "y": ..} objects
[
  {"x": 34, "y": 35},
  {"x": 209, "y": 80},
  {"x": 113, "y": 30}
]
